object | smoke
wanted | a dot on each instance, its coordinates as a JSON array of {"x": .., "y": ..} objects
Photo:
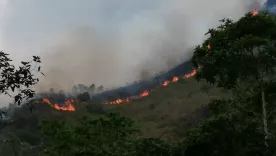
[{"x": 114, "y": 44}]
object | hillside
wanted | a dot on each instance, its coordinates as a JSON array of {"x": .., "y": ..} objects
[
  {"x": 168, "y": 110},
  {"x": 165, "y": 113},
  {"x": 238, "y": 56}
]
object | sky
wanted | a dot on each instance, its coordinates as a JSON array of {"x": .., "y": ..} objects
[{"x": 107, "y": 42}]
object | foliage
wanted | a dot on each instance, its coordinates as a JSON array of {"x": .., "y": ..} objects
[
  {"x": 240, "y": 51},
  {"x": 92, "y": 88},
  {"x": 107, "y": 135},
  {"x": 227, "y": 132},
  {"x": 83, "y": 97},
  {"x": 242, "y": 58},
  {"x": 12, "y": 146},
  {"x": 18, "y": 79},
  {"x": 82, "y": 88},
  {"x": 100, "y": 88}
]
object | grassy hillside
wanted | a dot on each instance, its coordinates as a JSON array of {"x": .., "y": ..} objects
[
  {"x": 166, "y": 113},
  {"x": 168, "y": 110}
]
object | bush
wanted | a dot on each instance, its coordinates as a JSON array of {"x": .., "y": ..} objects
[{"x": 83, "y": 97}]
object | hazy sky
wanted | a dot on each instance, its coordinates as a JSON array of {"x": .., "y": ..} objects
[{"x": 109, "y": 42}]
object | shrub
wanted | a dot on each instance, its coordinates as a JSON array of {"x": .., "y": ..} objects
[{"x": 83, "y": 97}]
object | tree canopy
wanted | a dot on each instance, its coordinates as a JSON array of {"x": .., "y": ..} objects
[
  {"x": 241, "y": 57},
  {"x": 241, "y": 50}
]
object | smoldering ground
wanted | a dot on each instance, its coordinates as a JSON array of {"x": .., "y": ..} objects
[{"x": 111, "y": 44}]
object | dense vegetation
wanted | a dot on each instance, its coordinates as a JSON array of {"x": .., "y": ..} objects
[{"x": 239, "y": 57}]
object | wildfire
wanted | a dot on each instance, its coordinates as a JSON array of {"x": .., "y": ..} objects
[
  {"x": 190, "y": 74},
  {"x": 165, "y": 83},
  {"x": 146, "y": 93},
  {"x": 175, "y": 79},
  {"x": 68, "y": 106},
  {"x": 255, "y": 12}
]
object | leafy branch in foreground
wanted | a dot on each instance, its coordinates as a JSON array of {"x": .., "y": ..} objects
[{"x": 19, "y": 79}]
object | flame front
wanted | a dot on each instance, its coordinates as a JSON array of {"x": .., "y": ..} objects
[
  {"x": 165, "y": 83},
  {"x": 255, "y": 12},
  {"x": 68, "y": 106},
  {"x": 146, "y": 93}
]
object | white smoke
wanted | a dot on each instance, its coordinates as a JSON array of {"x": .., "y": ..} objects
[{"x": 108, "y": 43}]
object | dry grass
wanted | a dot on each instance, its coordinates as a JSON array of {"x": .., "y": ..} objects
[{"x": 166, "y": 108}]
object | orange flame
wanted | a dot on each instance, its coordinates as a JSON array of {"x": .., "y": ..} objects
[
  {"x": 146, "y": 93},
  {"x": 165, "y": 83},
  {"x": 255, "y": 12},
  {"x": 193, "y": 73},
  {"x": 67, "y": 107},
  {"x": 175, "y": 79}
]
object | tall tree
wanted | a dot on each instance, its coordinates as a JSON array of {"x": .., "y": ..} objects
[
  {"x": 241, "y": 56},
  {"x": 82, "y": 88},
  {"x": 92, "y": 88},
  {"x": 100, "y": 88}
]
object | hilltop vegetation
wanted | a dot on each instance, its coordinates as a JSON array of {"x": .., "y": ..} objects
[{"x": 234, "y": 116}]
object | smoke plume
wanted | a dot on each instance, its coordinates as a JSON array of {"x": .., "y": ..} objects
[{"x": 127, "y": 40}]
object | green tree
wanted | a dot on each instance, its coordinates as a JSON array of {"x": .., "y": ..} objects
[
  {"x": 92, "y": 88},
  {"x": 229, "y": 131},
  {"x": 100, "y": 88},
  {"x": 108, "y": 135},
  {"x": 82, "y": 88},
  {"x": 83, "y": 97},
  {"x": 242, "y": 58}
]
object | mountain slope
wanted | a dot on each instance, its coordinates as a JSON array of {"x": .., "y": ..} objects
[
  {"x": 166, "y": 113},
  {"x": 138, "y": 87},
  {"x": 168, "y": 110}
]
